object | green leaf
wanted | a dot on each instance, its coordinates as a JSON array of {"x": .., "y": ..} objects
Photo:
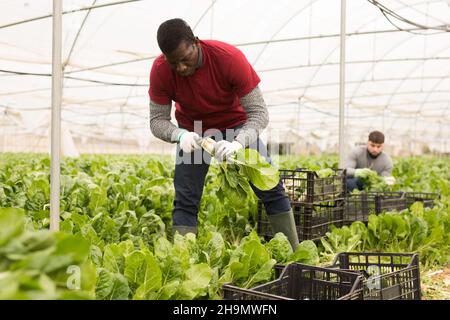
[
  {"x": 262, "y": 275},
  {"x": 215, "y": 248},
  {"x": 306, "y": 253},
  {"x": 197, "y": 280},
  {"x": 74, "y": 247},
  {"x": 279, "y": 247},
  {"x": 111, "y": 286},
  {"x": 88, "y": 277},
  {"x": 35, "y": 260},
  {"x": 260, "y": 173},
  {"x": 113, "y": 258},
  {"x": 247, "y": 259},
  {"x": 169, "y": 290},
  {"x": 135, "y": 265},
  {"x": 96, "y": 255},
  {"x": 163, "y": 248},
  {"x": 142, "y": 269},
  {"x": 12, "y": 222}
]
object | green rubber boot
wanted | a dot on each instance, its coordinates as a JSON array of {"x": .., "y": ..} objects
[
  {"x": 284, "y": 222},
  {"x": 183, "y": 230}
]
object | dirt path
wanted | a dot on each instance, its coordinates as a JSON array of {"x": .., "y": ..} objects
[{"x": 436, "y": 284}]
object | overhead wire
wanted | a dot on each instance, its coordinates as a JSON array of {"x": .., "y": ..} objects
[
  {"x": 388, "y": 13},
  {"x": 102, "y": 82},
  {"x": 77, "y": 36},
  {"x": 67, "y": 12}
]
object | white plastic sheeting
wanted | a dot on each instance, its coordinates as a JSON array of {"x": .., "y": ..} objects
[{"x": 396, "y": 81}]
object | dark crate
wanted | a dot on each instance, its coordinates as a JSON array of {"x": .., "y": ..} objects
[
  {"x": 358, "y": 207},
  {"x": 426, "y": 198},
  {"x": 388, "y": 276},
  {"x": 306, "y": 186},
  {"x": 312, "y": 221},
  {"x": 302, "y": 282}
]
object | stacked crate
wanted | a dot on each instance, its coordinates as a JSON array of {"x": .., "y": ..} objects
[
  {"x": 302, "y": 282},
  {"x": 426, "y": 198},
  {"x": 359, "y": 206},
  {"x": 388, "y": 276},
  {"x": 316, "y": 202},
  {"x": 352, "y": 276}
]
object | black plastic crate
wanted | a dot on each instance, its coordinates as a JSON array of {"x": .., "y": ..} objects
[
  {"x": 303, "y": 282},
  {"x": 312, "y": 221},
  {"x": 388, "y": 276},
  {"x": 359, "y": 206},
  {"x": 426, "y": 198},
  {"x": 305, "y": 185}
]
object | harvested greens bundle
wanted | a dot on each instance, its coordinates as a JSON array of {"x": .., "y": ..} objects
[{"x": 246, "y": 163}]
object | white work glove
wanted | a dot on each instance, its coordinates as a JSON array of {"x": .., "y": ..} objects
[
  {"x": 390, "y": 181},
  {"x": 224, "y": 149},
  {"x": 362, "y": 172},
  {"x": 187, "y": 140}
]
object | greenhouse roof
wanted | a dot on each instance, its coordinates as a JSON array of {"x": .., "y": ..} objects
[{"x": 397, "y": 64}]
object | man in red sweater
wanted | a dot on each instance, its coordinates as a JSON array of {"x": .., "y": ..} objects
[{"x": 215, "y": 90}]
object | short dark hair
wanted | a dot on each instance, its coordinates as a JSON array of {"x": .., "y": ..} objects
[
  {"x": 376, "y": 137},
  {"x": 172, "y": 32}
]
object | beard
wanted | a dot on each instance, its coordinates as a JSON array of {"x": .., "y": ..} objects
[{"x": 371, "y": 155}]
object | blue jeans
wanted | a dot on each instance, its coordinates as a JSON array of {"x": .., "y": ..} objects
[
  {"x": 354, "y": 183},
  {"x": 189, "y": 180}
]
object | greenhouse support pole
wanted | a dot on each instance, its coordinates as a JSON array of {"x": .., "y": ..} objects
[
  {"x": 56, "y": 115},
  {"x": 342, "y": 89}
]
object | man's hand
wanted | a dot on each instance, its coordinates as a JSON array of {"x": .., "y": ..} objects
[
  {"x": 362, "y": 172},
  {"x": 224, "y": 149},
  {"x": 187, "y": 140},
  {"x": 390, "y": 181}
]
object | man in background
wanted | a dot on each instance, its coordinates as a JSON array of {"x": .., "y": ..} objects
[{"x": 363, "y": 159}]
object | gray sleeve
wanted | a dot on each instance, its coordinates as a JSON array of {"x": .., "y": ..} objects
[
  {"x": 351, "y": 162},
  {"x": 160, "y": 124},
  {"x": 387, "y": 170},
  {"x": 257, "y": 117}
]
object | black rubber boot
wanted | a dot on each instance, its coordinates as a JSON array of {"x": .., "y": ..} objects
[
  {"x": 284, "y": 222},
  {"x": 183, "y": 230}
]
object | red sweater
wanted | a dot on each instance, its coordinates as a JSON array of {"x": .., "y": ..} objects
[{"x": 212, "y": 93}]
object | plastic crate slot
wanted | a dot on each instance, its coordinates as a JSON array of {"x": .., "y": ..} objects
[
  {"x": 397, "y": 275},
  {"x": 298, "y": 281}
]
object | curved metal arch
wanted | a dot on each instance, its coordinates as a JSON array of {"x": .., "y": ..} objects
[
  {"x": 418, "y": 65},
  {"x": 378, "y": 61},
  {"x": 143, "y": 58},
  {"x": 371, "y": 110},
  {"x": 328, "y": 84},
  {"x": 78, "y": 112},
  {"x": 244, "y": 44},
  {"x": 347, "y": 63},
  {"x": 111, "y": 65},
  {"x": 426, "y": 15},
  {"x": 213, "y": 2},
  {"x": 281, "y": 28},
  {"x": 87, "y": 102},
  {"x": 381, "y": 95},
  {"x": 67, "y": 12},
  {"x": 399, "y": 43},
  {"x": 338, "y": 46},
  {"x": 425, "y": 100},
  {"x": 445, "y": 111},
  {"x": 66, "y": 62},
  {"x": 433, "y": 90},
  {"x": 267, "y": 42},
  {"x": 360, "y": 83}
]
